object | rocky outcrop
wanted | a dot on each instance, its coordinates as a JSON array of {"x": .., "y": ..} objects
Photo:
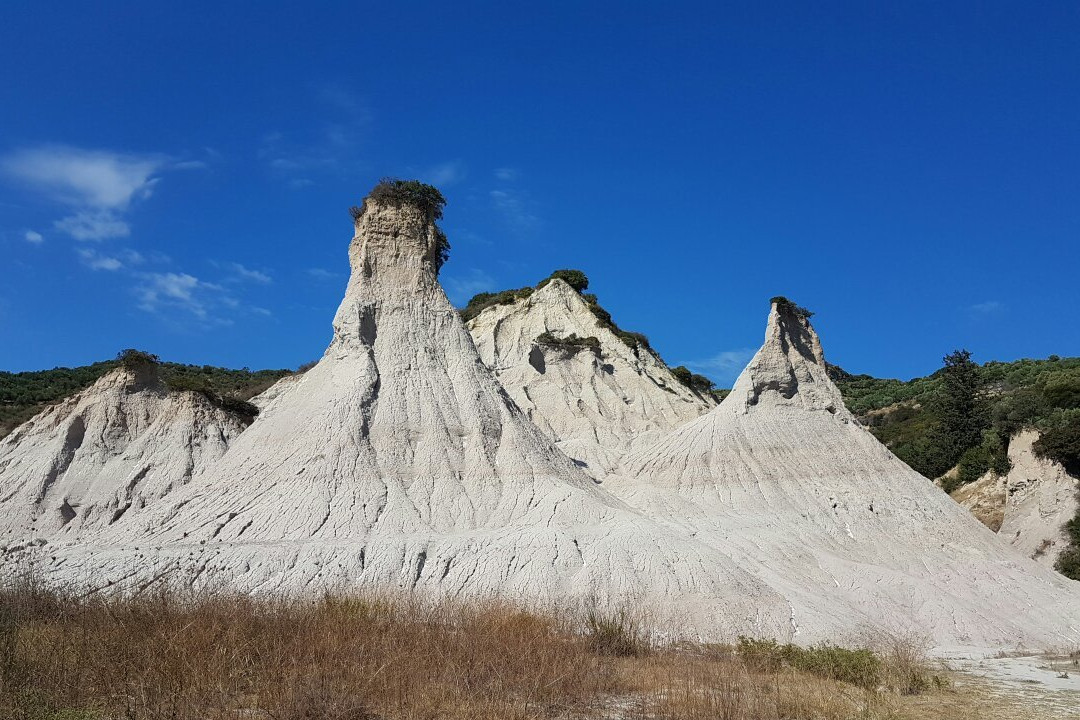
[
  {"x": 400, "y": 460},
  {"x": 596, "y": 404},
  {"x": 115, "y": 448},
  {"x": 1028, "y": 506},
  {"x": 785, "y": 480}
]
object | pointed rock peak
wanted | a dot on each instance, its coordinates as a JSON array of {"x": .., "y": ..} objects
[{"x": 790, "y": 368}]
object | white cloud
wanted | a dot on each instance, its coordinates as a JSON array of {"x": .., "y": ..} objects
[
  {"x": 178, "y": 290},
  {"x": 515, "y": 209},
  {"x": 243, "y": 273},
  {"x": 460, "y": 288},
  {"x": 322, "y": 274},
  {"x": 33, "y": 237},
  {"x": 93, "y": 225},
  {"x": 94, "y": 261},
  {"x": 100, "y": 184},
  {"x": 506, "y": 174},
  {"x": 86, "y": 178},
  {"x": 723, "y": 367}
]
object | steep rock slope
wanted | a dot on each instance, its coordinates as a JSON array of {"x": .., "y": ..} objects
[
  {"x": 399, "y": 460},
  {"x": 783, "y": 478},
  {"x": 596, "y": 403},
  {"x": 116, "y": 447},
  {"x": 1028, "y": 506}
]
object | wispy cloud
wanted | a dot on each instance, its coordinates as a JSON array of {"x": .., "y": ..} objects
[
  {"x": 516, "y": 209},
  {"x": 444, "y": 174},
  {"x": 33, "y": 237},
  {"x": 240, "y": 273},
  {"x": 116, "y": 261},
  {"x": 322, "y": 274},
  {"x": 985, "y": 308},
  {"x": 461, "y": 287},
  {"x": 723, "y": 367},
  {"x": 506, "y": 174},
  {"x": 175, "y": 291},
  {"x": 100, "y": 185},
  {"x": 329, "y": 146},
  {"x": 93, "y": 225}
]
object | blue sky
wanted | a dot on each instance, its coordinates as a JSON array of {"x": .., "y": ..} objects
[{"x": 178, "y": 179}]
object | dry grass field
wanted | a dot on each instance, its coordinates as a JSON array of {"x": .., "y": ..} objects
[{"x": 166, "y": 654}]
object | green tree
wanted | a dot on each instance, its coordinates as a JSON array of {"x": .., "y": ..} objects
[{"x": 960, "y": 412}]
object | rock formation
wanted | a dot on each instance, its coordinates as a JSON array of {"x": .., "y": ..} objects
[
  {"x": 1029, "y": 506},
  {"x": 116, "y": 447},
  {"x": 784, "y": 479},
  {"x": 595, "y": 402},
  {"x": 399, "y": 460}
]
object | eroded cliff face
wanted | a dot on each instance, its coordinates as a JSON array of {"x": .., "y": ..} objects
[
  {"x": 400, "y": 460},
  {"x": 596, "y": 404},
  {"x": 783, "y": 478},
  {"x": 115, "y": 448},
  {"x": 1028, "y": 506}
]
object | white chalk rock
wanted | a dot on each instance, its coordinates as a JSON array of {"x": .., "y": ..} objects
[
  {"x": 782, "y": 478},
  {"x": 115, "y": 448},
  {"x": 1029, "y": 505},
  {"x": 595, "y": 405},
  {"x": 399, "y": 460}
]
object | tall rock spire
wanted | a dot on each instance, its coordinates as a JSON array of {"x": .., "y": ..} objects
[
  {"x": 400, "y": 460},
  {"x": 781, "y": 477}
]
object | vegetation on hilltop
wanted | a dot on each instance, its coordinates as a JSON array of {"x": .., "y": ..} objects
[
  {"x": 963, "y": 415},
  {"x": 24, "y": 394},
  {"x": 424, "y": 197},
  {"x": 787, "y": 306}
]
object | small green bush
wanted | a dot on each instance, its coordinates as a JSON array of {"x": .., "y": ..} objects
[
  {"x": 1068, "y": 563},
  {"x": 784, "y": 305},
  {"x": 1062, "y": 390},
  {"x": 571, "y": 343},
  {"x": 395, "y": 192},
  {"x": 133, "y": 359},
  {"x": 697, "y": 383},
  {"x": 615, "y": 633},
  {"x": 862, "y": 668},
  {"x": 482, "y": 301},
  {"x": 185, "y": 382},
  {"x": 1061, "y": 444},
  {"x": 574, "y": 278}
]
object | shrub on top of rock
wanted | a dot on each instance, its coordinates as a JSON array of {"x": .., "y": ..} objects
[
  {"x": 425, "y": 198},
  {"x": 787, "y": 306},
  {"x": 574, "y": 278},
  {"x": 484, "y": 300},
  {"x": 133, "y": 359},
  {"x": 395, "y": 192},
  {"x": 698, "y": 383}
]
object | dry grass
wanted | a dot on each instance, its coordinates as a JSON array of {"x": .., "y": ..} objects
[{"x": 167, "y": 655}]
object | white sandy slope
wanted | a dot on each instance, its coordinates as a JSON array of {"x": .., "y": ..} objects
[
  {"x": 783, "y": 478},
  {"x": 399, "y": 460},
  {"x": 595, "y": 407},
  {"x": 1032, "y": 502},
  {"x": 116, "y": 447}
]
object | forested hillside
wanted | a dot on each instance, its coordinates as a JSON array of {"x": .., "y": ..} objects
[
  {"x": 956, "y": 423},
  {"x": 24, "y": 394}
]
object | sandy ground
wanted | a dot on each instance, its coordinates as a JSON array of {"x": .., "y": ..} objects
[{"x": 1025, "y": 686}]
